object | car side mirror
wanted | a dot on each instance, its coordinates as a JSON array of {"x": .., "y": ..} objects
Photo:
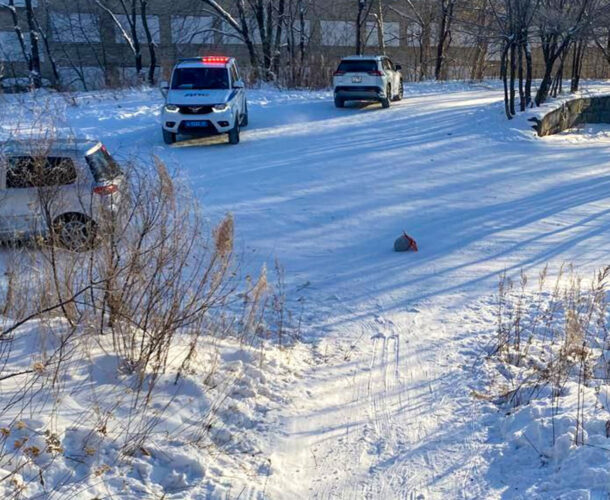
[
  {"x": 238, "y": 84},
  {"x": 164, "y": 87},
  {"x": 398, "y": 67}
]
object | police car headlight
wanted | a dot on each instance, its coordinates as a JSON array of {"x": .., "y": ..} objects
[
  {"x": 172, "y": 108},
  {"x": 219, "y": 108}
]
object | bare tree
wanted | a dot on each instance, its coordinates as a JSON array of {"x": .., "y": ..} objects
[
  {"x": 268, "y": 17},
  {"x": 559, "y": 24},
  {"x": 363, "y": 11},
  {"x": 129, "y": 33},
  {"x": 447, "y": 9},
  {"x": 31, "y": 52},
  {"x": 421, "y": 16},
  {"x": 152, "y": 46}
]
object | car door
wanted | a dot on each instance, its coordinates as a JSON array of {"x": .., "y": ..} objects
[
  {"x": 38, "y": 189},
  {"x": 395, "y": 76},
  {"x": 20, "y": 206},
  {"x": 241, "y": 93}
]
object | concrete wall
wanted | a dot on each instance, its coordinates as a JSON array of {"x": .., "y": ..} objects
[{"x": 572, "y": 113}]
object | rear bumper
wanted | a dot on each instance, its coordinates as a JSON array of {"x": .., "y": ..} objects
[{"x": 359, "y": 93}]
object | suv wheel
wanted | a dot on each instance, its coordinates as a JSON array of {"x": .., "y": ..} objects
[
  {"x": 385, "y": 102},
  {"x": 339, "y": 103},
  {"x": 401, "y": 92},
  {"x": 75, "y": 232},
  {"x": 234, "y": 133},
  {"x": 168, "y": 137}
]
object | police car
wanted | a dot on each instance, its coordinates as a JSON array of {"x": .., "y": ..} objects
[{"x": 205, "y": 96}]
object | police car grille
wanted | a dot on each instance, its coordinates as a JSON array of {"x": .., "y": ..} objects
[{"x": 195, "y": 110}]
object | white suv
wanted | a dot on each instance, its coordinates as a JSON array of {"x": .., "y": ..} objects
[
  {"x": 368, "y": 78},
  {"x": 65, "y": 187},
  {"x": 206, "y": 96}
]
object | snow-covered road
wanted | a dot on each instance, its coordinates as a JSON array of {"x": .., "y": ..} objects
[{"x": 385, "y": 410}]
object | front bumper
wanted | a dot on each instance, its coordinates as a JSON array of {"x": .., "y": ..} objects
[
  {"x": 359, "y": 93},
  {"x": 209, "y": 123}
]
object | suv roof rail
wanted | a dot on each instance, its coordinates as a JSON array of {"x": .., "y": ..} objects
[{"x": 190, "y": 59}]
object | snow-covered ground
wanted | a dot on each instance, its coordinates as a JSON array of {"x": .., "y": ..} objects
[{"x": 384, "y": 406}]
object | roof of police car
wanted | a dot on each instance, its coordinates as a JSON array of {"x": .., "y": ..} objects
[
  {"x": 198, "y": 62},
  {"x": 359, "y": 58}
]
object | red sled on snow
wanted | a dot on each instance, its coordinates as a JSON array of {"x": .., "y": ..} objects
[{"x": 405, "y": 243}]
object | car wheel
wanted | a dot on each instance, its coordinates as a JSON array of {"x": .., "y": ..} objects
[
  {"x": 234, "y": 133},
  {"x": 168, "y": 137},
  {"x": 385, "y": 102},
  {"x": 76, "y": 232},
  {"x": 401, "y": 92},
  {"x": 339, "y": 103},
  {"x": 244, "y": 118}
]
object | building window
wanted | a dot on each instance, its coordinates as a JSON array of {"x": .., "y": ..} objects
[
  {"x": 75, "y": 27},
  {"x": 338, "y": 33},
  {"x": 391, "y": 34},
  {"x": 192, "y": 30},
  {"x": 153, "y": 26},
  {"x": 72, "y": 78},
  {"x": 10, "y": 50},
  {"x": 232, "y": 37}
]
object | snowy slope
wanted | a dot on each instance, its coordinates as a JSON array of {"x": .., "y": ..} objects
[{"x": 386, "y": 410}]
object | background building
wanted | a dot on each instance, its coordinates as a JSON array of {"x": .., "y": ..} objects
[{"x": 87, "y": 44}]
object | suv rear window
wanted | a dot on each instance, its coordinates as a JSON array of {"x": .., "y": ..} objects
[
  {"x": 28, "y": 172},
  {"x": 102, "y": 165},
  {"x": 200, "y": 78},
  {"x": 358, "y": 66}
]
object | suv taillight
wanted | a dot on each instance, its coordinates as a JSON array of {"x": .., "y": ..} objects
[
  {"x": 339, "y": 73},
  {"x": 376, "y": 73},
  {"x": 105, "y": 190}
]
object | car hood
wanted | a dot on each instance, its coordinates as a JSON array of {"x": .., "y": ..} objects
[{"x": 188, "y": 97}]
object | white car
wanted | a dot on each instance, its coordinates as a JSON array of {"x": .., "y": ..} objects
[
  {"x": 67, "y": 186},
  {"x": 205, "y": 96},
  {"x": 367, "y": 78}
]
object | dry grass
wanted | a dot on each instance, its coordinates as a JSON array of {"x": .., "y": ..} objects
[
  {"x": 156, "y": 287},
  {"x": 552, "y": 336}
]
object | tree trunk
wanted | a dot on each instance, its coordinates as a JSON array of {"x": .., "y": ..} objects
[
  {"x": 137, "y": 49},
  {"x": 151, "y": 43},
  {"x": 522, "y": 102},
  {"x": 513, "y": 70},
  {"x": 380, "y": 27},
  {"x": 444, "y": 36},
  {"x": 18, "y": 32},
  {"x": 504, "y": 76},
  {"x": 34, "y": 63},
  {"x": 245, "y": 32},
  {"x": 277, "y": 50},
  {"x": 577, "y": 61},
  {"x": 359, "y": 23},
  {"x": 528, "y": 72}
]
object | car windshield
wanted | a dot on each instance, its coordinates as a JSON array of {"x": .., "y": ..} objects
[
  {"x": 200, "y": 78},
  {"x": 358, "y": 66},
  {"x": 102, "y": 165}
]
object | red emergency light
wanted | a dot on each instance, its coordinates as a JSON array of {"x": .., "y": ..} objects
[{"x": 215, "y": 59}]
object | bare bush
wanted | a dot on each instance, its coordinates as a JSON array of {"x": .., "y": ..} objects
[
  {"x": 548, "y": 339},
  {"x": 155, "y": 287}
]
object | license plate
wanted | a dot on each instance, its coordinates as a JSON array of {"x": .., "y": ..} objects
[
  {"x": 197, "y": 124},
  {"x": 356, "y": 79}
]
